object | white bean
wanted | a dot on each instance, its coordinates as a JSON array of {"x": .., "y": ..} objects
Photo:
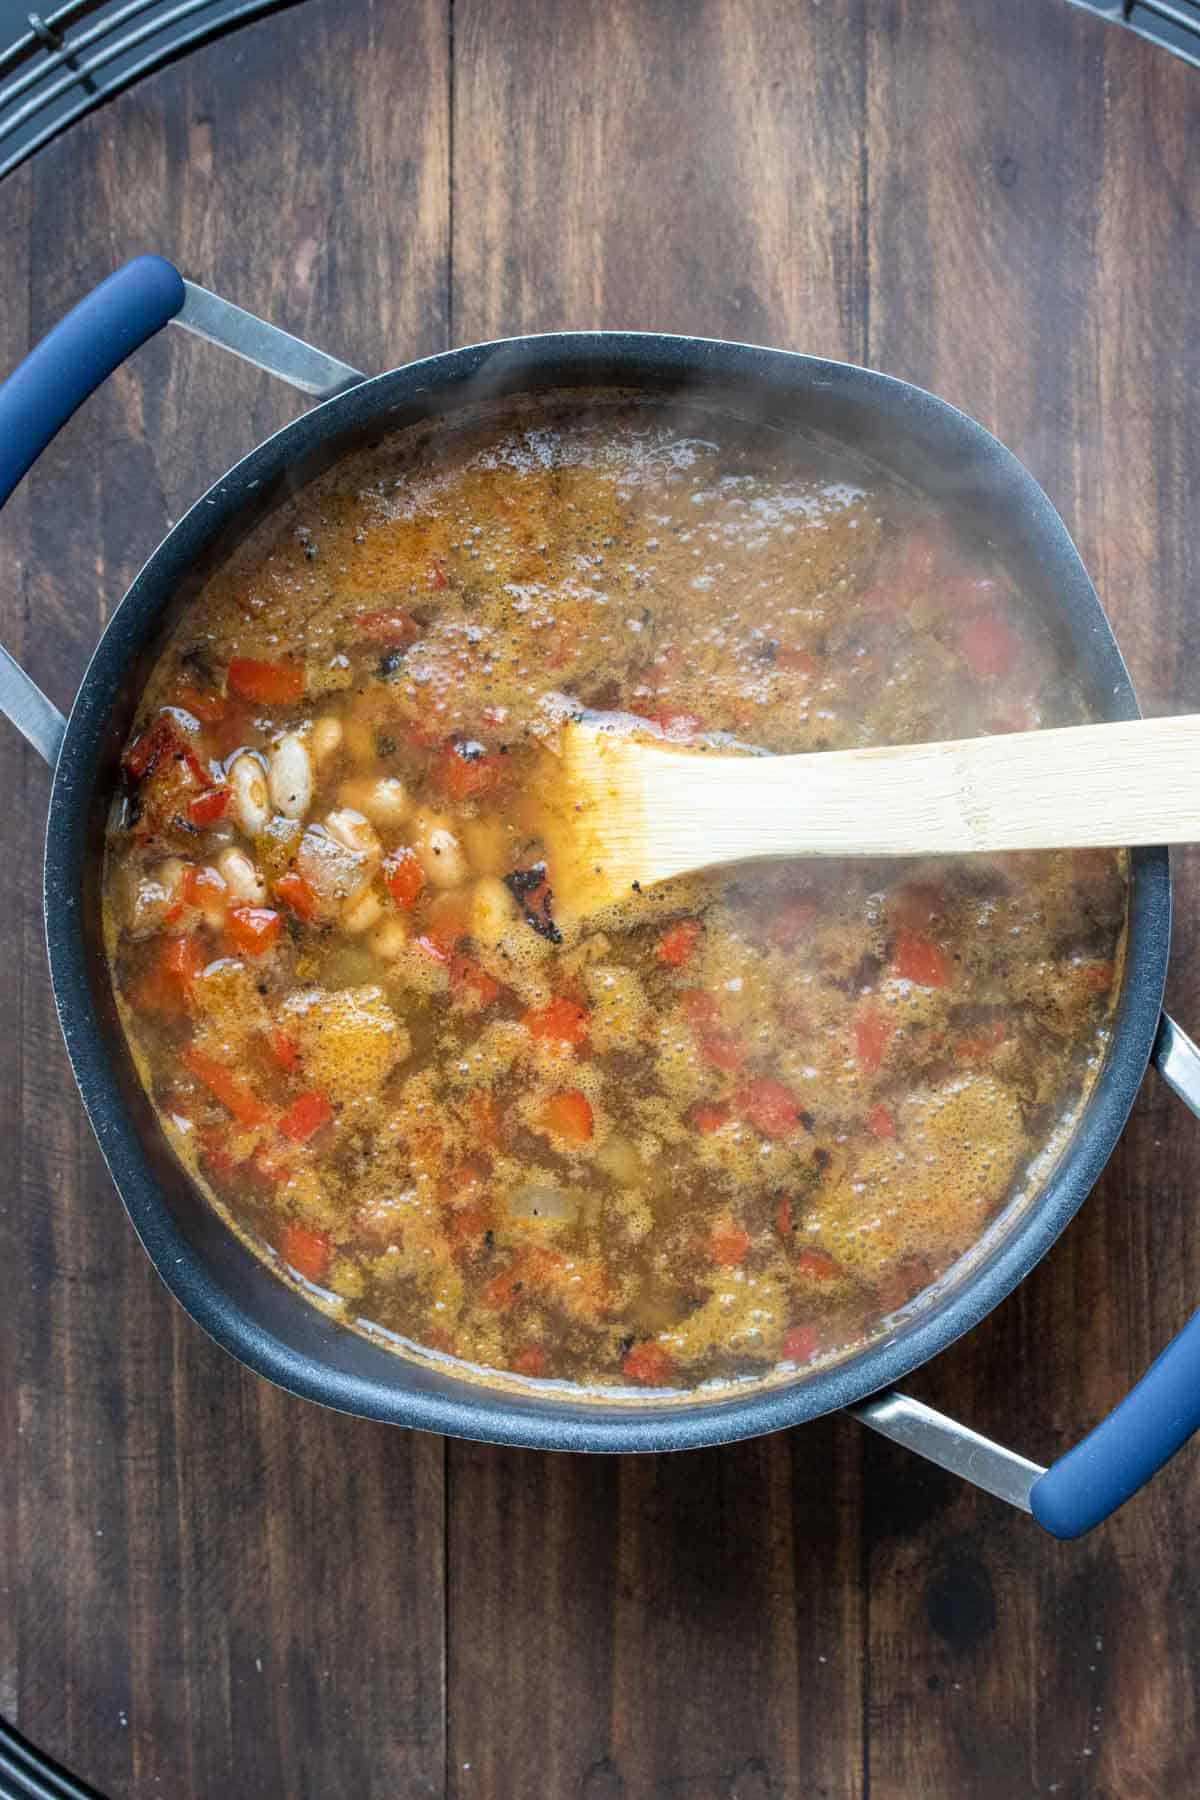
[
  {"x": 363, "y": 912},
  {"x": 326, "y": 738},
  {"x": 441, "y": 854},
  {"x": 493, "y": 911},
  {"x": 243, "y": 880},
  {"x": 390, "y": 939},
  {"x": 291, "y": 776},
  {"x": 251, "y": 802},
  {"x": 384, "y": 800}
]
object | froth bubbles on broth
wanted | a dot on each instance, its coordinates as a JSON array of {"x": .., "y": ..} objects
[{"x": 736, "y": 1125}]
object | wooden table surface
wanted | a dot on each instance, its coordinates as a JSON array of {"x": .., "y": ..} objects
[{"x": 210, "y": 1589}]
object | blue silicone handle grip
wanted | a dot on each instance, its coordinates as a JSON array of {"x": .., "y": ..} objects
[
  {"x": 73, "y": 359},
  {"x": 1155, "y": 1419}
]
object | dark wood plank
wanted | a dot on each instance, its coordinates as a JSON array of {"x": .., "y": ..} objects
[
  {"x": 23, "y": 777},
  {"x": 690, "y": 1624},
  {"x": 1034, "y": 258},
  {"x": 214, "y": 1589}
]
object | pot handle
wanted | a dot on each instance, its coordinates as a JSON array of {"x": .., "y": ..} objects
[
  {"x": 1120, "y": 1454},
  {"x": 72, "y": 360}
]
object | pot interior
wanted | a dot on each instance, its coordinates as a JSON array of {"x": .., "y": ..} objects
[{"x": 263, "y": 1320}]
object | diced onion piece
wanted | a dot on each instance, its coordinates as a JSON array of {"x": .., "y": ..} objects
[
  {"x": 493, "y": 911},
  {"x": 383, "y": 799},
  {"x": 326, "y": 738},
  {"x": 333, "y": 873},
  {"x": 363, "y": 912},
  {"x": 488, "y": 844},
  {"x": 155, "y": 894},
  {"x": 357, "y": 833},
  {"x": 390, "y": 939},
  {"x": 550, "y": 1205},
  {"x": 618, "y": 1157}
]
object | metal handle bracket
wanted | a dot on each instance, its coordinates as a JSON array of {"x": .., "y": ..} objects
[
  {"x": 1122, "y": 1452},
  {"x": 277, "y": 352}
]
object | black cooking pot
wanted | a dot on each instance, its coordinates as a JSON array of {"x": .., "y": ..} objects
[{"x": 239, "y": 1301}]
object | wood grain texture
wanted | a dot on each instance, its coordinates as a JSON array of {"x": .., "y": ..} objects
[
  {"x": 184, "y": 1612},
  {"x": 208, "y": 1588}
]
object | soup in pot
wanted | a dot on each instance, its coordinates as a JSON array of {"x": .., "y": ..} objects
[{"x": 730, "y": 1128}]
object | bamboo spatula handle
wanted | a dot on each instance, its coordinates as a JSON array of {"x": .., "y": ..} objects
[{"x": 1129, "y": 783}]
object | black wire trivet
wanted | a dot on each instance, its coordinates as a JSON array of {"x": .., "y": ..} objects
[
  {"x": 85, "y": 51},
  {"x": 1173, "y": 23}
]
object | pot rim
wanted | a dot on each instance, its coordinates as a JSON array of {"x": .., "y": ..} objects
[{"x": 466, "y": 1407}]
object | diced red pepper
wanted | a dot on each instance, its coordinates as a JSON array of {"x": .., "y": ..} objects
[
  {"x": 298, "y": 894},
  {"x": 657, "y": 674},
  {"x": 485, "y": 1119},
  {"x": 532, "y": 1360},
  {"x": 234, "y": 1094},
  {"x": 799, "y": 1343},
  {"x": 405, "y": 877},
  {"x": 503, "y": 1290},
  {"x": 769, "y": 1106},
  {"x": 219, "y": 1166},
  {"x": 918, "y": 959},
  {"x": 872, "y": 1035},
  {"x": 817, "y": 1265},
  {"x": 266, "y": 1171},
  {"x": 158, "y": 740},
  {"x": 207, "y": 809},
  {"x": 916, "y": 905},
  {"x": 561, "y": 1021},
  {"x": 204, "y": 704},
  {"x": 305, "y": 1250},
  {"x": 569, "y": 1115},
  {"x": 648, "y": 1364},
  {"x": 305, "y": 1116},
  {"x": 471, "y": 980},
  {"x": 707, "y": 1119},
  {"x": 990, "y": 645},
  {"x": 193, "y": 770},
  {"x": 284, "y": 1050},
  {"x": 978, "y": 1049},
  {"x": 880, "y": 1122},
  {"x": 388, "y": 626},
  {"x": 1098, "y": 977},
  {"x": 729, "y": 1244},
  {"x": 791, "y": 923},
  {"x": 467, "y": 1224},
  {"x": 268, "y": 683},
  {"x": 466, "y": 769},
  {"x": 678, "y": 726},
  {"x": 254, "y": 928},
  {"x": 797, "y": 662},
  {"x": 677, "y": 943},
  {"x": 436, "y": 574},
  {"x": 783, "y": 1216},
  {"x": 910, "y": 1275},
  {"x": 717, "y": 1044},
  {"x": 443, "y": 932},
  {"x": 182, "y": 960}
]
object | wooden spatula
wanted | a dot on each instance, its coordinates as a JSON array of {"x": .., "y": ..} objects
[{"x": 628, "y": 811}]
